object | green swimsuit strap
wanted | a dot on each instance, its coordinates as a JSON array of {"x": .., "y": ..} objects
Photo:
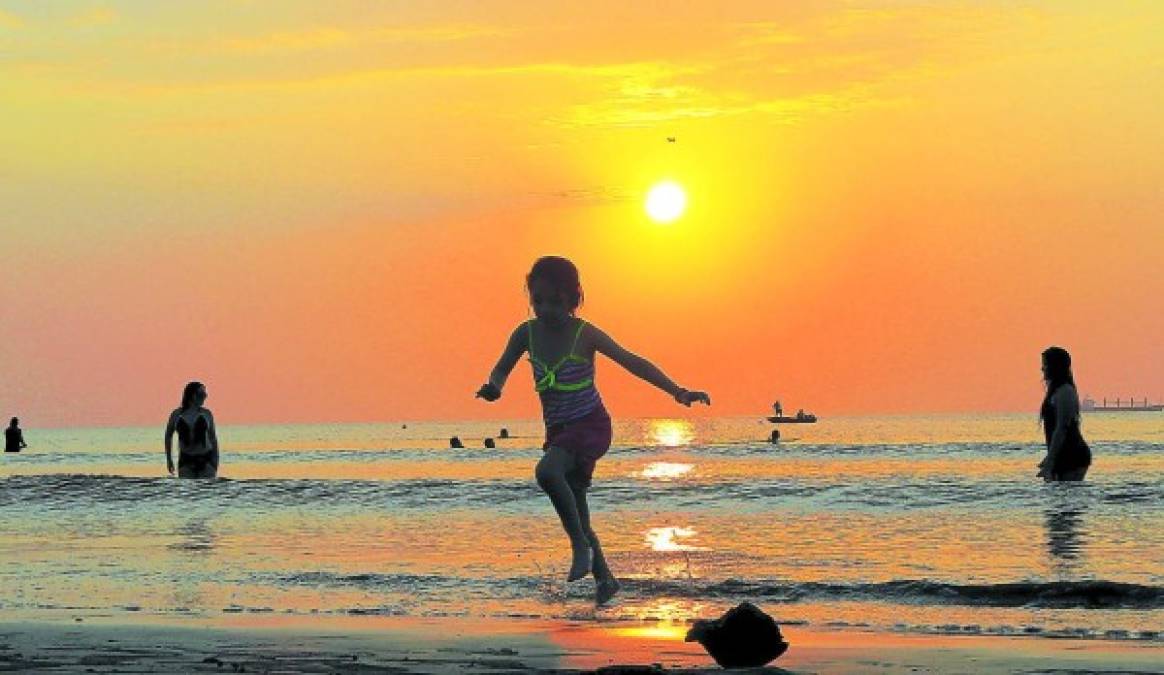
[{"x": 550, "y": 379}]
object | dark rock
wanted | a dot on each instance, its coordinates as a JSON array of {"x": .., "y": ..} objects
[
  {"x": 744, "y": 637},
  {"x": 489, "y": 443},
  {"x": 455, "y": 442},
  {"x": 504, "y": 433}
]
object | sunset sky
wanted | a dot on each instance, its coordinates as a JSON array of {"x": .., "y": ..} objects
[{"x": 325, "y": 210}]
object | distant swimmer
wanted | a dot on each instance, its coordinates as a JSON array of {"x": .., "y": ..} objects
[
  {"x": 775, "y": 437},
  {"x": 14, "y": 437},
  {"x": 1068, "y": 455},
  {"x": 670, "y": 139},
  {"x": 197, "y": 436}
]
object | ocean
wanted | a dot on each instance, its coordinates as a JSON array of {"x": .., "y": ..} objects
[{"x": 916, "y": 524}]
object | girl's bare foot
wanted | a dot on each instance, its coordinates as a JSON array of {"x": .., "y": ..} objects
[
  {"x": 605, "y": 591},
  {"x": 580, "y": 568}
]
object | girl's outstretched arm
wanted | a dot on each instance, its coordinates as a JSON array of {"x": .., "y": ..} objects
[
  {"x": 644, "y": 369},
  {"x": 491, "y": 390}
]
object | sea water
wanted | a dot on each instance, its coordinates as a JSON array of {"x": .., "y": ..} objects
[{"x": 904, "y": 523}]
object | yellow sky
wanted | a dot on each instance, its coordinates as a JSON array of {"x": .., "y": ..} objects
[{"x": 325, "y": 210}]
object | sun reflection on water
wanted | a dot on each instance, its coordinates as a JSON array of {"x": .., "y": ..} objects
[
  {"x": 666, "y": 470},
  {"x": 663, "y": 539},
  {"x": 664, "y": 631},
  {"x": 671, "y": 433},
  {"x": 671, "y": 617}
]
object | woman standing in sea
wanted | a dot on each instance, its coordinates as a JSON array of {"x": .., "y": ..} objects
[{"x": 1068, "y": 456}]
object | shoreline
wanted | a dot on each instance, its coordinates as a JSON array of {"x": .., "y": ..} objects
[{"x": 406, "y": 645}]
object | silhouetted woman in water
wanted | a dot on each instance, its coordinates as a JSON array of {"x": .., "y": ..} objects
[
  {"x": 14, "y": 437},
  {"x": 1067, "y": 453},
  {"x": 197, "y": 438}
]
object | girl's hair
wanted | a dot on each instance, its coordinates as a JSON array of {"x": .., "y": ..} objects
[
  {"x": 189, "y": 393},
  {"x": 1058, "y": 373},
  {"x": 561, "y": 275}
]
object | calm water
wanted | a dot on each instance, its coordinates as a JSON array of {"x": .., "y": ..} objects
[{"x": 931, "y": 524}]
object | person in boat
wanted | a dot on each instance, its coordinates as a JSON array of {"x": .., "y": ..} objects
[
  {"x": 1068, "y": 455},
  {"x": 197, "y": 436},
  {"x": 800, "y": 414},
  {"x": 777, "y": 409},
  {"x": 14, "y": 437}
]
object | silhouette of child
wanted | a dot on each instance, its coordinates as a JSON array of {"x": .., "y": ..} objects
[{"x": 578, "y": 431}]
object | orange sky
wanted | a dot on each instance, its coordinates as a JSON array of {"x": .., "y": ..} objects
[{"x": 325, "y": 211}]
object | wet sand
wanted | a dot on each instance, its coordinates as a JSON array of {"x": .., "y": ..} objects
[{"x": 272, "y": 645}]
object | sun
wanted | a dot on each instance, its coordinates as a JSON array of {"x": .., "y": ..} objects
[{"x": 666, "y": 201}]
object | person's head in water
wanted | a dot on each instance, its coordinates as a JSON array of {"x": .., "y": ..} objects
[
  {"x": 194, "y": 395},
  {"x": 1056, "y": 372},
  {"x": 1057, "y": 368},
  {"x": 14, "y": 423},
  {"x": 555, "y": 291}
]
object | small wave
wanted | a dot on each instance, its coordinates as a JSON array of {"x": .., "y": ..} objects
[
  {"x": 1097, "y": 594},
  {"x": 1055, "y": 594}
]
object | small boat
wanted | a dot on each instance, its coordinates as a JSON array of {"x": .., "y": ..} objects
[
  {"x": 806, "y": 418},
  {"x": 800, "y": 417}
]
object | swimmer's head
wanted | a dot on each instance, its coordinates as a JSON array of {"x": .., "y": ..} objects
[
  {"x": 193, "y": 395},
  {"x": 1056, "y": 366}
]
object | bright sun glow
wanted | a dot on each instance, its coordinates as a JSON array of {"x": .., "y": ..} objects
[
  {"x": 666, "y": 202},
  {"x": 670, "y": 433}
]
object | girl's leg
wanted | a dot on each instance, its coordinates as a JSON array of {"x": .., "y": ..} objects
[
  {"x": 551, "y": 476},
  {"x": 601, "y": 570},
  {"x": 607, "y": 584}
]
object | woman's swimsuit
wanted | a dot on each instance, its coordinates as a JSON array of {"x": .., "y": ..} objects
[
  {"x": 195, "y": 456},
  {"x": 575, "y": 418},
  {"x": 1075, "y": 454}
]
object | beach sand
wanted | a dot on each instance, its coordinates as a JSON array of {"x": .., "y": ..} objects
[{"x": 396, "y": 645}]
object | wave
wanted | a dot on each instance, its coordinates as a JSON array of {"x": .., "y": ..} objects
[
  {"x": 1083, "y": 594},
  {"x": 78, "y": 491},
  {"x": 1087, "y": 594}
]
